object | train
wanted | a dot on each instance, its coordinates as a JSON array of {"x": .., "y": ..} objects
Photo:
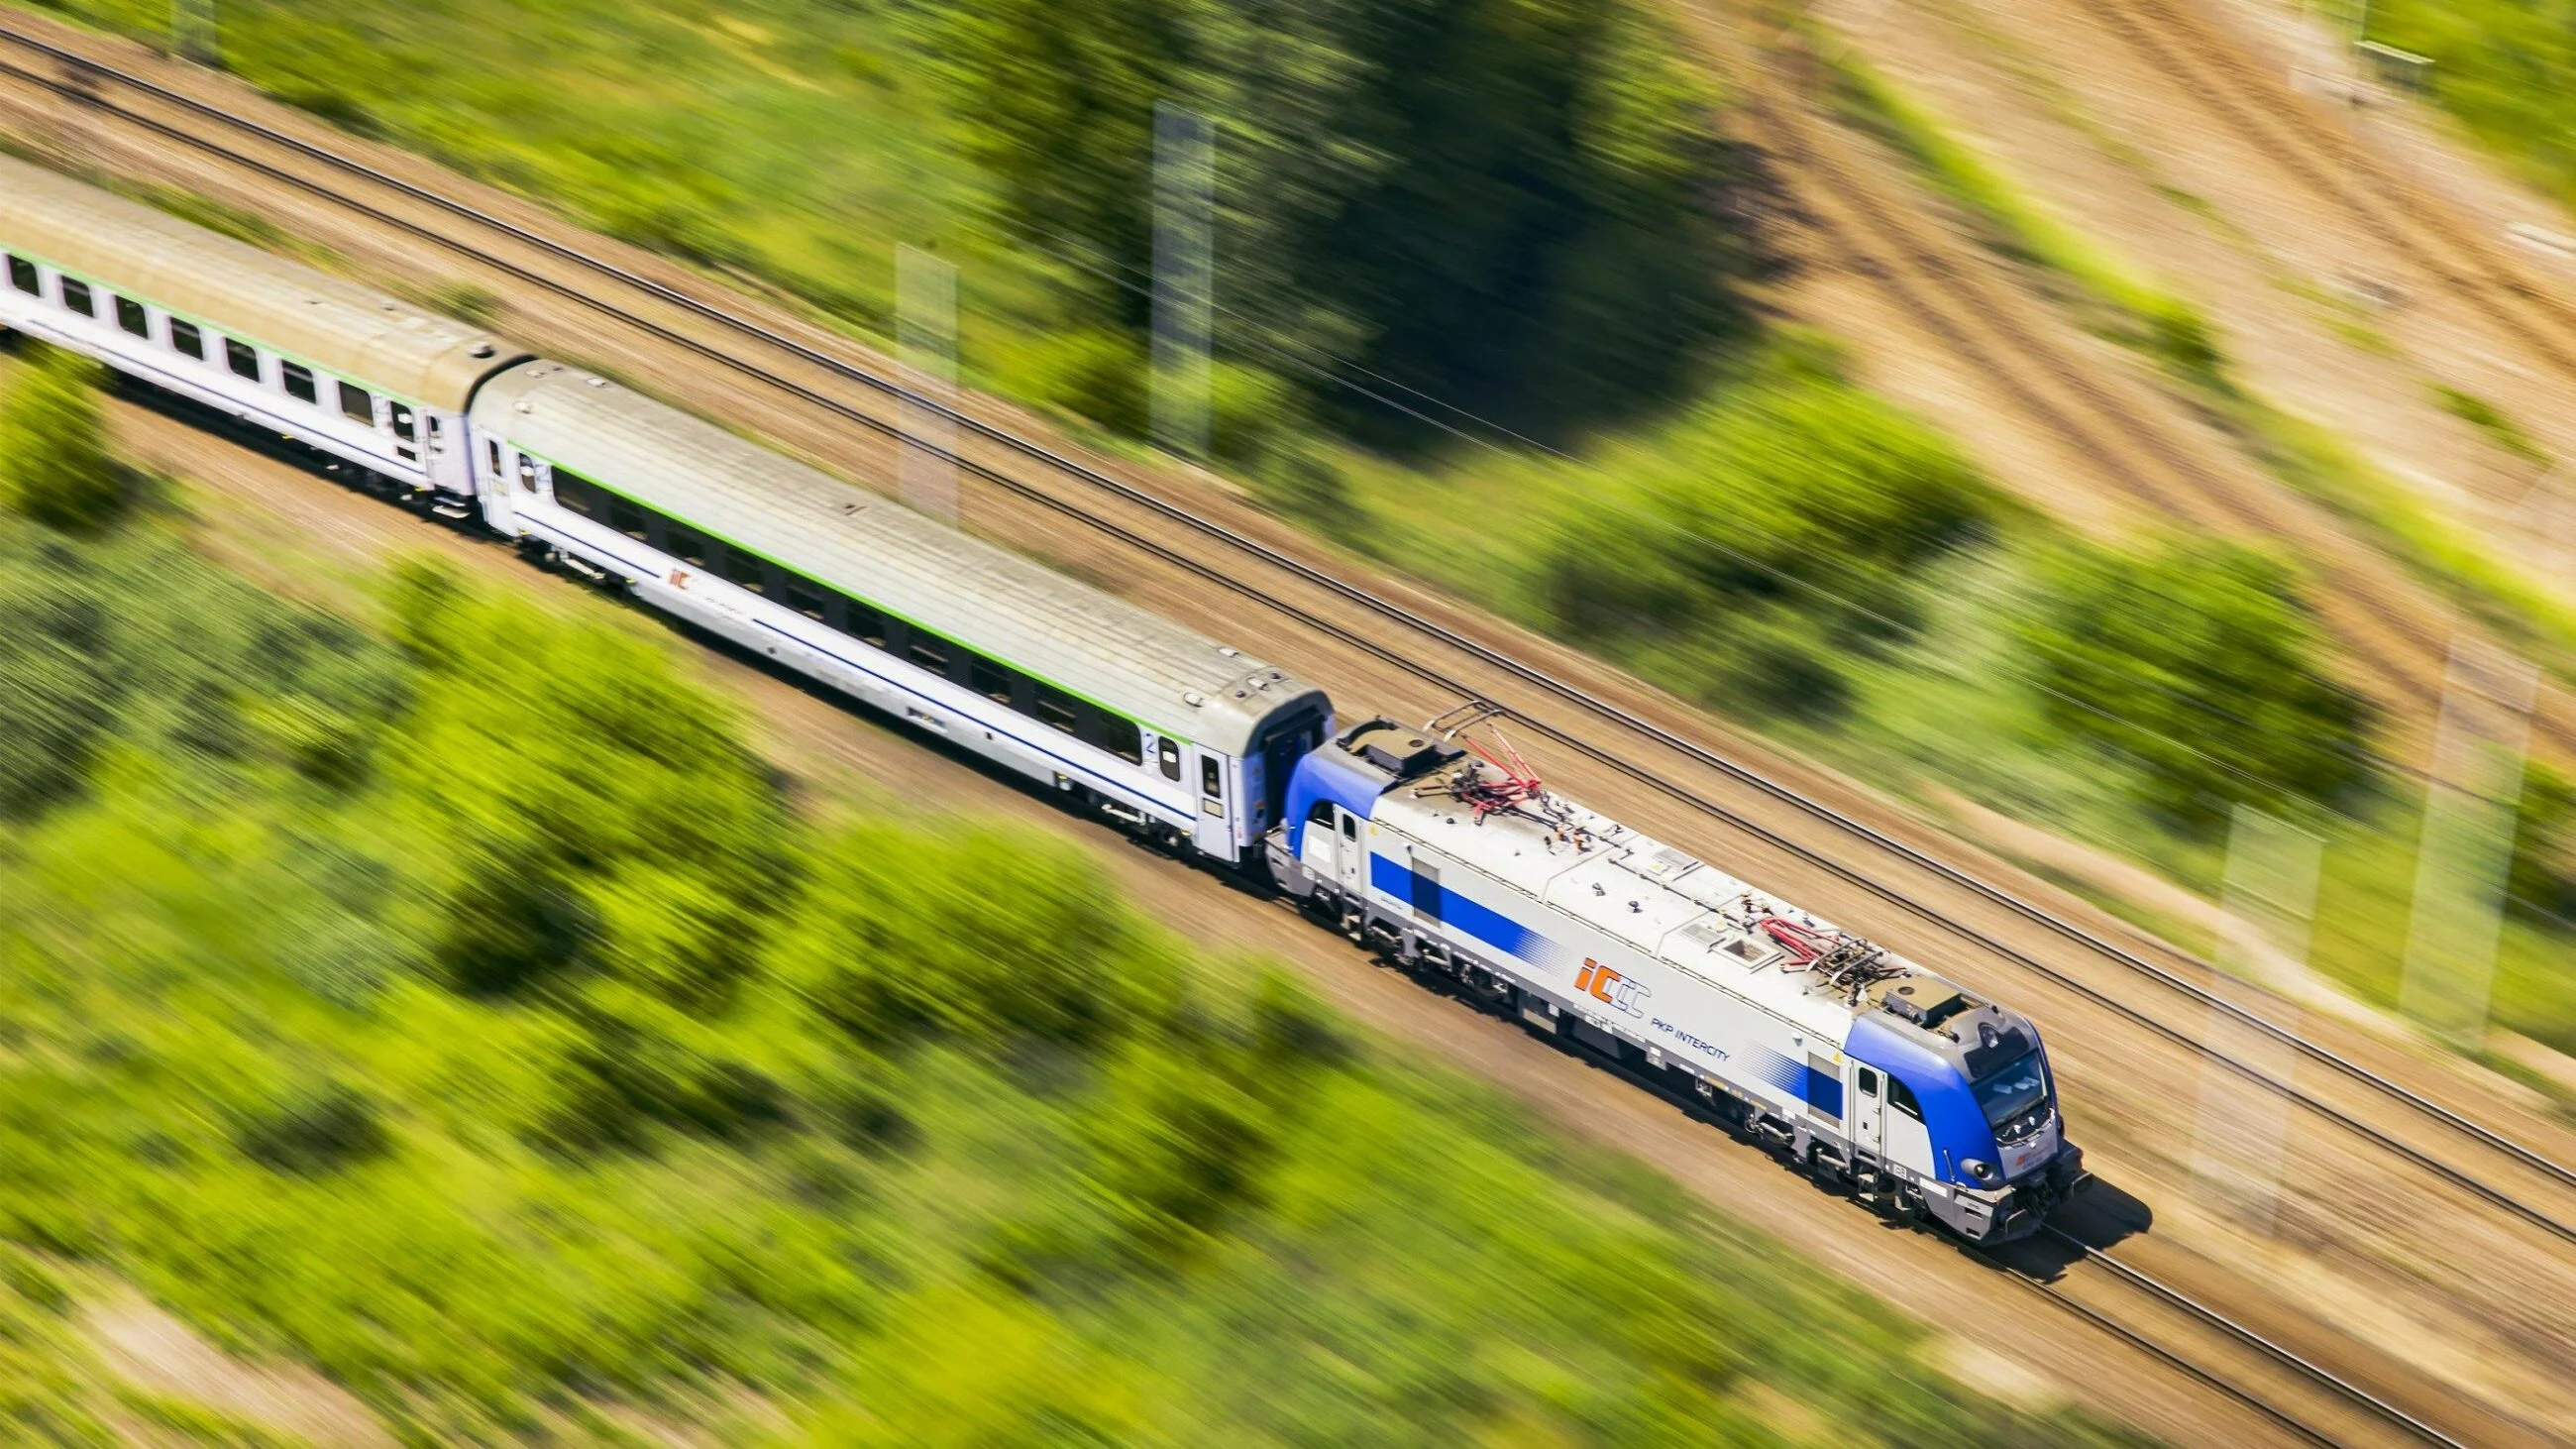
[{"x": 1437, "y": 846}]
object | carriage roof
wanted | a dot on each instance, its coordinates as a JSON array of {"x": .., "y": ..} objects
[
  {"x": 183, "y": 268},
  {"x": 982, "y": 596}
]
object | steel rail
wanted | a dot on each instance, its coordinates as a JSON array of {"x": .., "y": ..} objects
[
  {"x": 2178, "y": 1299},
  {"x": 1354, "y": 594}
]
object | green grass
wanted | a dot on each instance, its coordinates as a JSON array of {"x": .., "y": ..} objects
[
  {"x": 2155, "y": 319},
  {"x": 2501, "y": 430},
  {"x": 2506, "y": 68},
  {"x": 454, "y": 1004},
  {"x": 2321, "y": 465}
]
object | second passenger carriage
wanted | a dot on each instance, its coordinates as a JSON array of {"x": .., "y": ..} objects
[{"x": 1171, "y": 732}]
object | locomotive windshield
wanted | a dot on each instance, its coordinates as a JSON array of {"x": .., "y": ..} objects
[{"x": 2014, "y": 1088}]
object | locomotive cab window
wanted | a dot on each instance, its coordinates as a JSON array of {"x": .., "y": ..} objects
[
  {"x": 1901, "y": 1097},
  {"x": 359, "y": 406},
  {"x": 76, "y": 295},
  {"x": 1868, "y": 1082},
  {"x": 1350, "y": 826},
  {"x": 22, "y": 275},
  {"x": 1167, "y": 753},
  {"x": 242, "y": 358},
  {"x": 131, "y": 316},
  {"x": 184, "y": 337},
  {"x": 298, "y": 381}
]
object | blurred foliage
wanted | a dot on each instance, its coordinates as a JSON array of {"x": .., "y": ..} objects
[
  {"x": 1514, "y": 205},
  {"x": 1774, "y": 535},
  {"x": 1517, "y": 205},
  {"x": 54, "y": 466},
  {"x": 2200, "y": 662},
  {"x": 545, "y": 1056},
  {"x": 2506, "y": 67},
  {"x": 2543, "y": 883}
]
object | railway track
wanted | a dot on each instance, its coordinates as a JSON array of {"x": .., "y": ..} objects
[
  {"x": 2328, "y": 160},
  {"x": 1309, "y": 597},
  {"x": 2397, "y": 634}
]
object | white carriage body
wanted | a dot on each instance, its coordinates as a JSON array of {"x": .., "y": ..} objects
[
  {"x": 367, "y": 378},
  {"x": 1076, "y": 688}
]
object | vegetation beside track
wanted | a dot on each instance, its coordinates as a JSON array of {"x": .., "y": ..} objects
[
  {"x": 454, "y": 1002},
  {"x": 1772, "y": 542}
]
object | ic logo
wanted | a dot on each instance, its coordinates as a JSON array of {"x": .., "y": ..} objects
[{"x": 1610, "y": 988}]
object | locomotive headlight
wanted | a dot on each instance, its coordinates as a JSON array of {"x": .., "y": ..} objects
[{"x": 1980, "y": 1170}]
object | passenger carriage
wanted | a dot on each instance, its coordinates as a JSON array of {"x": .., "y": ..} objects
[
  {"x": 1174, "y": 734},
  {"x": 369, "y": 379}
]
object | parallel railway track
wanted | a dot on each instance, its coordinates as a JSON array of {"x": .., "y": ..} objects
[{"x": 1304, "y": 594}]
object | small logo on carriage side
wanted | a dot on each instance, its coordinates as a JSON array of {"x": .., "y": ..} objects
[
  {"x": 679, "y": 578},
  {"x": 1610, "y": 988}
]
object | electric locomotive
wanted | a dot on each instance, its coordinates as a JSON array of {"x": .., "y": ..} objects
[{"x": 1922, "y": 1097}]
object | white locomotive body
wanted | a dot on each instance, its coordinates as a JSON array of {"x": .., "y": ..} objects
[{"x": 1853, "y": 1059}]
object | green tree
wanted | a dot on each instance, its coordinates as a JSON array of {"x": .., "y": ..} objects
[
  {"x": 2199, "y": 663},
  {"x": 54, "y": 463},
  {"x": 1784, "y": 530},
  {"x": 1512, "y": 204}
]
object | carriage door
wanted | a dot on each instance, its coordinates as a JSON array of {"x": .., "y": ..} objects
[
  {"x": 1868, "y": 1105},
  {"x": 1215, "y": 833},
  {"x": 451, "y": 467}
]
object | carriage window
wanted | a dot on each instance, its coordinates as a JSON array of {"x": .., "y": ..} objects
[
  {"x": 989, "y": 679},
  {"x": 1168, "y": 753},
  {"x": 929, "y": 651},
  {"x": 1113, "y": 733},
  {"x": 743, "y": 569},
  {"x": 629, "y": 517},
  {"x": 492, "y": 450},
  {"x": 76, "y": 296},
  {"x": 131, "y": 316},
  {"x": 1350, "y": 826},
  {"x": 185, "y": 337},
  {"x": 527, "y": 474},
  {"x": 360, "y": 405},
  {"x": 577, "y": 493},
  {"x": 1055, "y": 707},
  {"x": 1211, "y": 777},
  {"x": 804, "y": 596},
  {"x": 863, "y": 623},
  {"x": 242, "y": 358},
  {"x": 684, "y": 544},
  {"x": 22, "y": 275},
  {"x": 402, "y": 424},
  {"x": 298, "y": 380}
]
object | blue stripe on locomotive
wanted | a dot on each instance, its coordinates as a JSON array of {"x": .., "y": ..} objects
[
  {"x": 1820, "y": 1090},
  {"x": 1957, "y": 1124},
  {"x": 1328, "y": 774}
]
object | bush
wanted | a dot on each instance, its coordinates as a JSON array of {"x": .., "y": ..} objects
[
  {"x": 2543, "y": 879},
  {"x": 54, "y": 464},
  {"x": 1781, "y": 531},
  {"x": 56, "y": 690},
  {"x": 314, "y": 1130},
  {"x": 2200, "y": 664}
]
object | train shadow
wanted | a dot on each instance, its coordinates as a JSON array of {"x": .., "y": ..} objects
[{"x": 2098, "y": 1216}]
